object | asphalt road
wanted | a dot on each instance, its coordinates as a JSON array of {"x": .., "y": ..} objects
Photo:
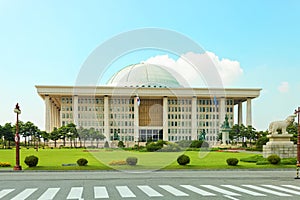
[{"x": 213, "y": 185}]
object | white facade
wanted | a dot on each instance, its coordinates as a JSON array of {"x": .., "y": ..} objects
[{"x": 171, "y": 114}]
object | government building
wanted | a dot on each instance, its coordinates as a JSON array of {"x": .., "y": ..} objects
[{"x": 143, "y": 102}]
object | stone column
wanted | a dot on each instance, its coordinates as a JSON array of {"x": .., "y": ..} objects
[
  {"x": 165, "y": 119},
  {"x": 58, "y": 118},
  {"x": 249, "y": 112},
  {"x": 47, "y": 114},
  {"x": 106, "y": 119},
  {"x": 222, "y": 110},
  {"x": 54, "y": 116},
  {"x": 51, "y": 115},
  {"x": 240, "y": 113},
  {"x": 136, "y": 119},
  {"x": 75, "y": 109},
  {"x": 194, "y": 118}
]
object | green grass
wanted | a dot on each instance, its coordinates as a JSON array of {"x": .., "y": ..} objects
[{"x": 52, "y": 159}]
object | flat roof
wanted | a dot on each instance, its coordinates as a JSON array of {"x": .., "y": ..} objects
[{"x": 238, "y": 94}]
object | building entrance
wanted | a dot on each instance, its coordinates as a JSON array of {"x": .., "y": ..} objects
[{"x": 146, "y": 135}]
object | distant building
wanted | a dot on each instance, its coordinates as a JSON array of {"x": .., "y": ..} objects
[{"x": 144, "y": 101}]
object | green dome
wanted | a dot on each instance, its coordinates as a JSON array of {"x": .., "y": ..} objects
[{"x": 144, "y": 75}]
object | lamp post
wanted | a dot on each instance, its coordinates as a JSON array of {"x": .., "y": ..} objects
[
  {"x": 17, "y": 139},
  {"x": 298, "y": 143}
]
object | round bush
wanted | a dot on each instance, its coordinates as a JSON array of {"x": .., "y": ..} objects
[
  {"x": 196, "y": 144},
  {"x": 153, "y": 146},
  {"x": 121, "y": 144},
  {"x": 183, "y": 160},
  {"x": 274, "y": 159},
  {"x": 232, "y": 161},
  {"x": 131, "y": 160},
  {"x": 31, "y": 161},
  {"x": 82, "y": 162}
]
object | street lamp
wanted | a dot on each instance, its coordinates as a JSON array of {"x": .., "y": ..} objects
[
  {"x": 298, "y": 143},
  {"x": 17, "y": 139}
]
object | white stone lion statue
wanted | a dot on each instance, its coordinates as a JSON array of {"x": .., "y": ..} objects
[{"x": 281, "y": 125}]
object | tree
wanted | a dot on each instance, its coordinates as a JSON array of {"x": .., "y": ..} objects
[
  {"x": 292, "y": 129},
  {"x": 72, "y": 133},
  {"x": 238, "y": 131},
  {"x": 54, "y": 135},
  {"x": 63, "y": 131},
  {"x": 83, "y": 134},
  {"x": 7, "y": 134},
  {"x": 1, "y": 135},
  {"x": 92, "y": 134},
  {"x": 98, "y": 136},
  {"x": 29, "y": 131},
  {"x": 45, "y": 136},
  {"x": 251, "y": 133}
]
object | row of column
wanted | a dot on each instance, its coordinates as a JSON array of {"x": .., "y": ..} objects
[
  {"x": 248, "y": 113},
  {"x": 52, "y": 112}
]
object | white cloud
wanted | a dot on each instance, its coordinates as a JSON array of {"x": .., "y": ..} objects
[
  {"x": 283, "y": 87},
  {"x": 200, "y": 70}
]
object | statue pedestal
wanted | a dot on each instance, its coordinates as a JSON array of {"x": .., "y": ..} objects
[{"x": 280, "y": 145}]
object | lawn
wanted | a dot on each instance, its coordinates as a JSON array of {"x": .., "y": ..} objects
[{"x": 99, "y": 159}]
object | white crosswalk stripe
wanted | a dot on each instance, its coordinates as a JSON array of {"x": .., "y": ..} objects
[
  {"x": 149, "y": 191},
  {"x": 267, "y": 190},
  {"x": 100, "y": 192},
  {"x": 225, "y": 192},
  {"x": 282, "y": 189},
  {"x": 125, "y": 191},
  {"x": 173, "y": 190},
  {"x": 24, "y": 194},
  {"x": 49, "y": 194},
  {"x": 5, "y": 192},
  {"x": 239, "y": 189},
  {"x": 197, "y": 190},
  {"x": 292, "y": 186},
  {"x": 75, "y": 193}
]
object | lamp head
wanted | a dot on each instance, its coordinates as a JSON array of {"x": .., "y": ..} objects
[{"x": 17, "y": 109}]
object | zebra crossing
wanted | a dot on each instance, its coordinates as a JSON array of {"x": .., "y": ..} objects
[{"x": 155, "y": 191}]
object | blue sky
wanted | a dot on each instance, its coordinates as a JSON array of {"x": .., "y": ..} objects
[{"x": 46, "y": 43}]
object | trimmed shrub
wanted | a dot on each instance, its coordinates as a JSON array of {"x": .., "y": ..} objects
[
  {"x": 121, "y": 144},
  {"x": 171, "y": 147},
  {"x": 288, "y": 161},
  {"x": 253, "y": 159},
  {"x": 192, "y": 149},
  {"x": 31, "y": 161},
  {"x": 262, "y": 162},
  {"x": 232, "y": 161},
  {"x": 184, "y": 143},
  {"x": 205, "y": 145},
  {"x": 5, "y": 164},
  {"x": 261, "y": 142},
  {"x": 131, "y": 160},
  {"x": 82, "y": 162},
  {"x": 183, "y": 160},
  {"x": 118, "y": 162},
  {"x": 274, "y": 159},
  {"x": 155, "y": 146},
  {"x": 196, "y": 144}
]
